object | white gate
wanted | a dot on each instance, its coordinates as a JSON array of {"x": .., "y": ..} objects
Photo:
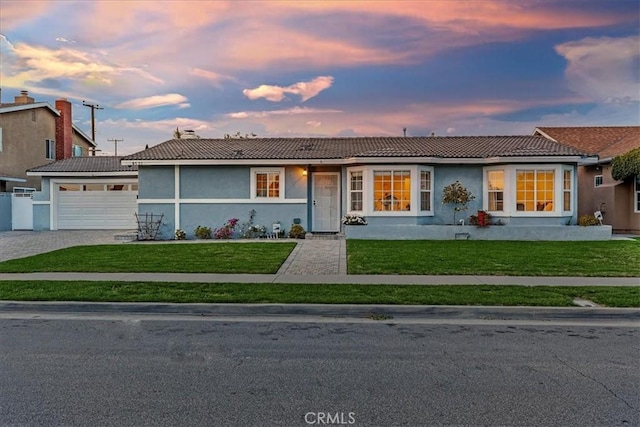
[{"x": 22, "y": 208}]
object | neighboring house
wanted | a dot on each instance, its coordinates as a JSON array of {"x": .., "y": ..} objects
[
  {"x": 619, "y": 201},
  {"x": 395, "y": 182},
  {"x": 34, "y": 133},
  {"x": 95, "y": 192}
]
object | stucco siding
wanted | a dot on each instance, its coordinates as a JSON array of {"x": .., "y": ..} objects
[
  {"x": 470, "y": 177},
  {"x": 41, "y": 217},
  {"x": 5, "y": 211},
  {"x": 215, "y": 215},
  {"x": 156, "y": 182},
  {"x": 220, "y": 182},
  {"x": 23, "y": 144},
  {"x": 295, "y": 183}
]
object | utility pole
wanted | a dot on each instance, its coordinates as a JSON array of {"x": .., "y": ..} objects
[
  {"x": 93, "y": 107},
  {"x": 115, "y": 141}
]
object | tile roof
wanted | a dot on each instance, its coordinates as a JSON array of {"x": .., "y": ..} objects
[
  {"x": 344, "y": 148},
  {"x": 604, "y": 141},
  {"x": 86, "y": 164}
]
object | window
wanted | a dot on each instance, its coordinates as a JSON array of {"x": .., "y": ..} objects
[
  {"x": 534, "y": 190},
  {"x": 495, "y": 190},
  {"x": 425, "y": 190},
  {"x": 69, "y": 187},
  {"x": 50, "y": 148},
  {"x": 77, "y": 151},
  {"x": 355, "y": 191},
  {"x": 566, "y": 190},
  {"x": 392, "y": 190},
  {"x": 33, "y": 115},
  {"x": 597, "y": 181},
  {"x": 267, "y": 183},
  {"x": 0, "y": 139},
  {"x": 637, "y": 201}
]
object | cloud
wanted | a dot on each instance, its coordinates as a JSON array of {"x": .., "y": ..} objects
[
  {"x": 213, "y": 77},
  {"x": 314, "y": 123},
  {"x": 306, "y": 90},
  {"x": 63, "y": 40},
  {"x": 287, "y": 112},
  {"x": 155, "y": 101},
  {"x": 604, "y": 69}
]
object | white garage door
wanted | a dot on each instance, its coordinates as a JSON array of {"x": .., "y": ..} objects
[{"x": 96, "y": 206}]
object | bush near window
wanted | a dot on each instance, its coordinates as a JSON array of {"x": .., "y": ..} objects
[
  {"x": 202, "y": 232},
  {"x": 481, "y": 219},
  {"x": 227, "y": 230},
  {"x": 458, "y": 195},
  {"x": 587, "y": 220},
  {"x": 626, "y": 165}
]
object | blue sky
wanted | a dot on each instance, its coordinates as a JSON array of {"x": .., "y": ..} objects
[{"x": 325, "y": 68}]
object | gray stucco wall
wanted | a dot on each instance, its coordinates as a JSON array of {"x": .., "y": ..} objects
[
  {"x": 41, "y": 217},
  {"x": 221, "y": 182},
  {"x": 5, "y": 211},
  {"x": 156, "y": 182},
  {"x": 168, "y": 221}
]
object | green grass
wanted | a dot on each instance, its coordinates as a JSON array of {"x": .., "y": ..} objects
[
  {"x": 619, "y": 258},
  {"x": 262, "y": 258},
  {"x": 319, "y": 294}
]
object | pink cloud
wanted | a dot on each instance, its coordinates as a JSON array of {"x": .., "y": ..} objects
[{"x": 306, "y": 90}]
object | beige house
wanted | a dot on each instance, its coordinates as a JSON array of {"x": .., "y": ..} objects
[
  {"x": 33, "y": 134},
  {"x": 619, "y": 201}
]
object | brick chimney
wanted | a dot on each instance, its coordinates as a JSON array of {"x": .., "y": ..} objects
[
  {"x": 24, "y": 98},
  {"x": 64, "y": 130}
]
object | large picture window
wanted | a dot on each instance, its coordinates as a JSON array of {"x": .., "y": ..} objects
[
  {"x": 267, "y": 183},
  {"x": 392, "y": 190},
  {"x": 534, "y": 190}
]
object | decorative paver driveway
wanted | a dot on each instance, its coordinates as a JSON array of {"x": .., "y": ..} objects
[{"x": 19, "y": 244}]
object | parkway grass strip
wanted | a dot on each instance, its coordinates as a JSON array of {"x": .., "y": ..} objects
[{"x": 507, "y": 295}]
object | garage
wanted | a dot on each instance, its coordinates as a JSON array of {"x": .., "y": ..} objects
[
  {"x": 86, "y": 193},
  {"x": 93, "y": 206}
]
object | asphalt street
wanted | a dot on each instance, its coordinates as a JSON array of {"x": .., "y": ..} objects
[{"x": 130, "y": 370}]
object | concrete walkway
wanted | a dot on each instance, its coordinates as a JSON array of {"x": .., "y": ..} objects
[{"x": 314, "y": 257}]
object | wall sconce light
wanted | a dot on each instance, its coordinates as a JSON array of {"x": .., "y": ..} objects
[{"x": 304, "y": 172}]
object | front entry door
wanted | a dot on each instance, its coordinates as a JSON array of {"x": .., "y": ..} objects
[{"x": 326, "y": 202}]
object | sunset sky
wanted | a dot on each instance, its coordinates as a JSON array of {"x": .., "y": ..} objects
[{"x": 326, "y": 68}]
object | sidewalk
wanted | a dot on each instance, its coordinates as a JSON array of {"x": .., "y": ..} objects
[{"x": 312, "y": 279}]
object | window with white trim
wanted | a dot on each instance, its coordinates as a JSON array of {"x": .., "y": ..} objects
[
  {"x": 566, "y": 189},
  {"x": 637, "y": 201},
  {"x": 50, "y": 149},
  {"x": 391, "y": 190},
  {"x": 0, "y": 139},
  {"x": 76, "y": 151},
  {"x": 356, "y": 191},
  {"x": 425, "y": 190},
  {"x": 534, "y": 190},
  {"x": 267, "y": 183},
  {"x": 495, "y": 190},
  {"x": 598, "y": 180},
  {"x": 529, "y": 190}
]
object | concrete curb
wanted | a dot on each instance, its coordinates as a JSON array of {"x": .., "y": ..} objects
[{"x": 346, "y": 311}]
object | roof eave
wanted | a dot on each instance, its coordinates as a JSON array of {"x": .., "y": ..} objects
[{"x": 83, "y": 174}]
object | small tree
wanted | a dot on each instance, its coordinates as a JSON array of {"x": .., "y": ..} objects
[
  {"x": 626, "y": 165},
  {"x": 458, "y": 195}
]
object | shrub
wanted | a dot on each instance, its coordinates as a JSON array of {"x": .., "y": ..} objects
[
  {"x": 202, "y": 232},
  {"x": 481, "y": 219},
  {"x": 626, "y": 165},
  {"x": 297, "y": 232},
  {"x": 588, "y": 220},
  {"x": 227, "y": 230},
  {"x": 180, "y": 234},
  {"x": 458, "y": 195}
]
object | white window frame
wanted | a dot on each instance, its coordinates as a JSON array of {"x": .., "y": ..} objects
[
  {"x": 636, "y": 204},
  {"x": 368, "y": 187},
  {"x": 1, "y": 139},
  {"x": 598, "y": 180},
  {"x": 76, "y": 150},
  {"x": 254, "y": 183},
  {"x": 485, "y": 186},
  {"x": 350, "y": 191},
  {"x": 50, "y": 149},
  {"x": 510, "y": 193},
  {"x": 571, "y": 190}
]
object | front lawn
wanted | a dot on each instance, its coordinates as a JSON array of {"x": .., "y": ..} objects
[
  {"x": 275, "y": 293},
  {"x": 249, "y": 258},
  {"x": 617, "y": 258}
]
